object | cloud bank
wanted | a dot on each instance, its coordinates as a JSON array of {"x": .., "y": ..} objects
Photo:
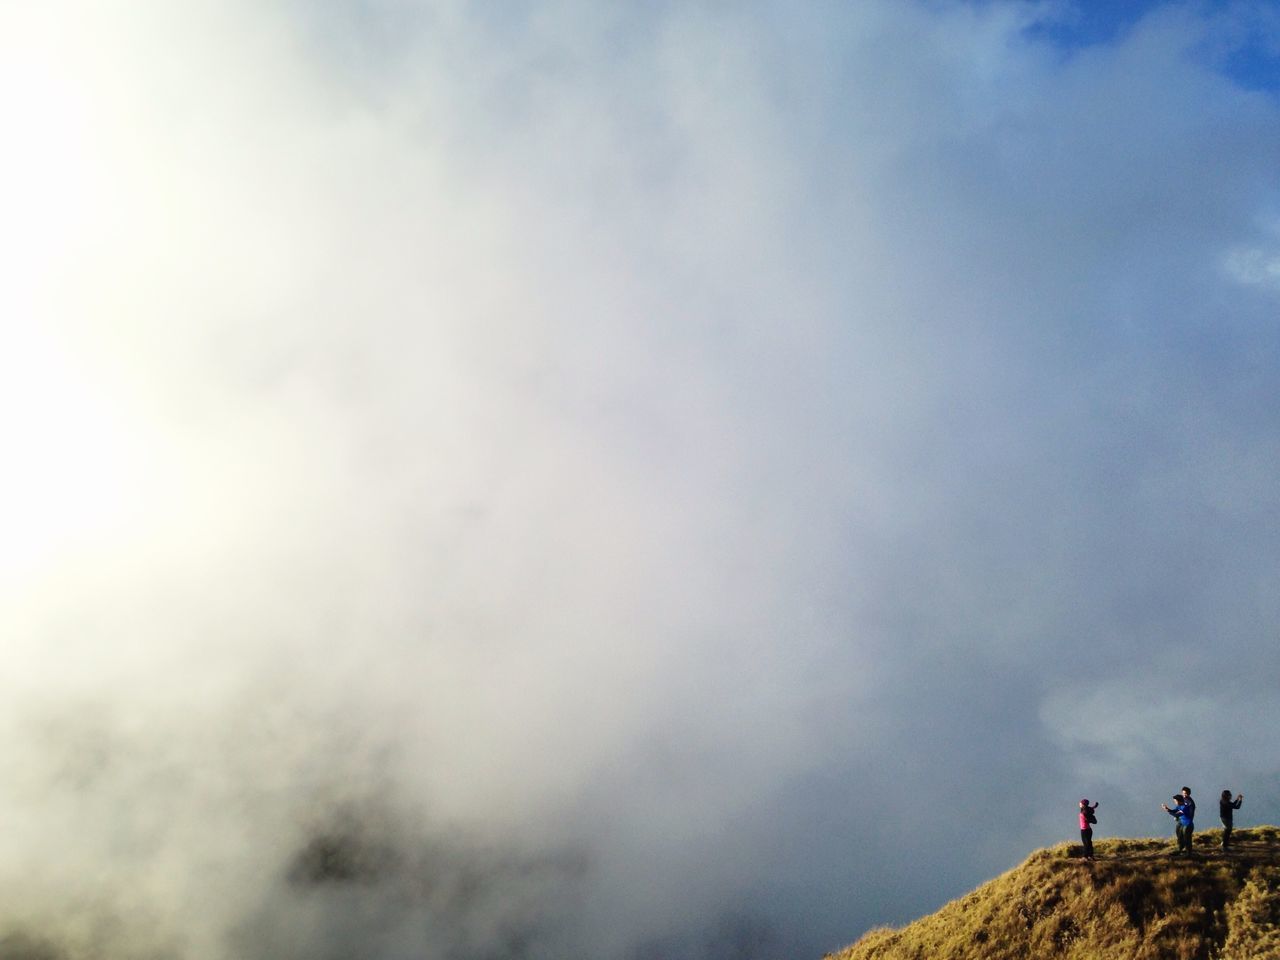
[{"x": 693, "y": 482}]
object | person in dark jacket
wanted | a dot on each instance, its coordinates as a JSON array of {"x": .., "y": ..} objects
[
  {"x": 1087, "y": 820},
  {"x": 1184, "y": 811},
  {"x": 1226, "y": 813}
]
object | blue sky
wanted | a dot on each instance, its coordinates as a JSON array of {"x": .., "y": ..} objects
[
  {"x": 1248, "y": 53},
  {"x": 655, "y": 469}
]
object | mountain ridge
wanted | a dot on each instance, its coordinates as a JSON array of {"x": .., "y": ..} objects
[{"x": 1135, "y": 902}]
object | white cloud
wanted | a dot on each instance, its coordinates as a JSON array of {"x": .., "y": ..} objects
[
  {"x": 635, "y": 437},
  {"x": 1253, "y": 266}
]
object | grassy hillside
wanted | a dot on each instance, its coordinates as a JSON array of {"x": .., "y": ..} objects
[{"x": 1134, "y": 903}]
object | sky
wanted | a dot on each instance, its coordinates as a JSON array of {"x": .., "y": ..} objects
[{"x": 680, "y": 480}]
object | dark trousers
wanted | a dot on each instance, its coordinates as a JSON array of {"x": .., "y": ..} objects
[
  {"x": 1086, "y": 837},
  {"x": 1226, "y": 833},
  {"x": 1184, "y": 838}
]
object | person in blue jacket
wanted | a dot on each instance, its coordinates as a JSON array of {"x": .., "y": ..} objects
[{"x": 1184, "y": 811}]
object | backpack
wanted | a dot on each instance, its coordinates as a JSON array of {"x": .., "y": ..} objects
[{"x": 1088, "y": 815}]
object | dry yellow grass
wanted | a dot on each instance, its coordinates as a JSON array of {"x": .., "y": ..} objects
[{"x": 1134, "y": 903}]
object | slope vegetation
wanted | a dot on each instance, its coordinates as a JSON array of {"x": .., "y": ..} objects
[{"x": 1135, "y": 902}]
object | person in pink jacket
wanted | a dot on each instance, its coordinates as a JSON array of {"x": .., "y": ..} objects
[{"x": 1087, "y": 820}]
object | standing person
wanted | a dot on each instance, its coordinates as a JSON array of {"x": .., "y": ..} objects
[
  {"x": 1226, "y": 812},
  {"x": 1184, "y": 811},
  {"x": 1188, "y": 802},
  {"x": 1189, "y": 807},
  {"x": 1087, "y": 820}
]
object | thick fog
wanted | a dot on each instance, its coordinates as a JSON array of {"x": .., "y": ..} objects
[{"x": 634, "y": 481}]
